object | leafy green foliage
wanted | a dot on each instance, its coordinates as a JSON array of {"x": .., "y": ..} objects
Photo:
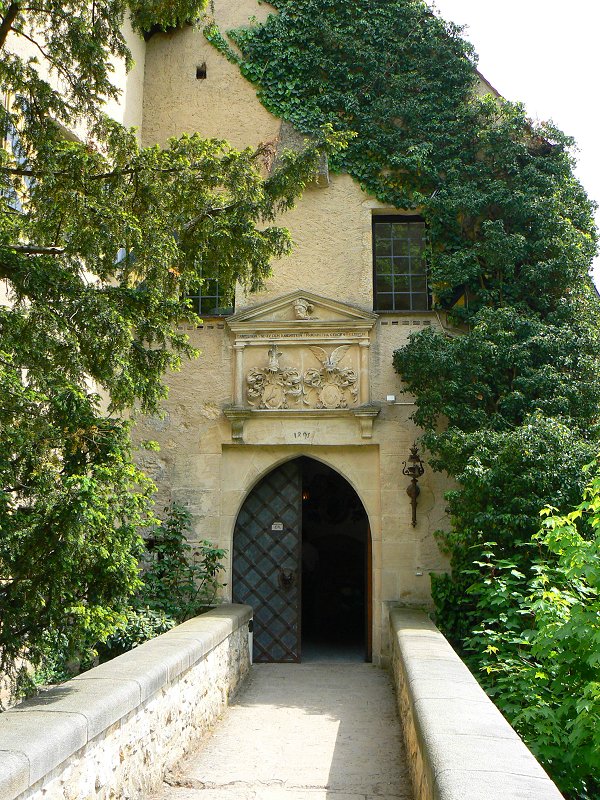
[
  {"x": 178, "y": 579},
  {"x": 99, "y": 241},
  {"x": 539, "y": 644},
  {"x": 503, "y": 481},
  {"x": 54, "y": 668},
  {"x": 177, "y": 583},
  {"x": 70, "y": 508},
  {"x": 519, "y": 396},
  {"x": 148, "y": 16},
  {"x": 509, "y": 402},
  {"x": 139, "y": 626}
]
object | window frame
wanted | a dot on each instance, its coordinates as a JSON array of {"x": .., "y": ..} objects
[
  {"x": 197, "y": 297},
  {"x": 395, "y": 219}
]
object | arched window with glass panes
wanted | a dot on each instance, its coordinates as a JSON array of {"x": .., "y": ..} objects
[{"x": 399, "y": 264}]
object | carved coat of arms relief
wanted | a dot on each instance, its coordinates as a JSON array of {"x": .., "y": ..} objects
[
  {"x": 331, "y": 386},
  {"x": 277, "y": 386},
  {"x": 274, "y": 386}
]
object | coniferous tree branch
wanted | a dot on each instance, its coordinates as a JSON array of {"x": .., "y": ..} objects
[{"x": 7, "y": 21}]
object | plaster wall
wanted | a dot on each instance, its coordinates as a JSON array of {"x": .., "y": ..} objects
[
  {"x": 4, "y": 293},
  {"x": 223, "y": 106},
  {"x": 199, "y": 463},
  {"x": 128, "y": 109}
]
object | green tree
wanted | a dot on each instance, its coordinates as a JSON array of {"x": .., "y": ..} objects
[
  {"x": 100, "y": 239},
  {"x": 541, "y": 645},
  {"x": 177, "y": 579}
]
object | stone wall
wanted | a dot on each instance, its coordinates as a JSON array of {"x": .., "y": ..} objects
[
  {"x": 201, "y": 463},
  {"x": 115, "y": 730},
  {"x": 458, "y": 744}
]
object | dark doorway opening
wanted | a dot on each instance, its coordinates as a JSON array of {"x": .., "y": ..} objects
[
  {"x": 302, "y": 560},
  {"x": 336, "y": 586}
]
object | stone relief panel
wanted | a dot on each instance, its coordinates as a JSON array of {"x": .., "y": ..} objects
[
  {"x": 273, "y": 386},
  {"x": 281, "y": 385},
  {"x": 301, "y": 355},
  {"x": 332, "y": 386},
  {"x": 304, "y": 309}
]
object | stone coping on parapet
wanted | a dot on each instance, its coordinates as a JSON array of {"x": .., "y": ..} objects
[
  {"x": 44, "y": 732},
  {"x": 459, "y": 745}
]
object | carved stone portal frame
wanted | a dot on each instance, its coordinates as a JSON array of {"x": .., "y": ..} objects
[{"x": 301, "y": 356}]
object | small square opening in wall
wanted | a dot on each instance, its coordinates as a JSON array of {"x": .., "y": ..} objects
[{"x": 201, "y": 72}]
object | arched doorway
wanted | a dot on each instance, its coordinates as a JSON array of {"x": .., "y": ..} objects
[{"x": 301, "y": 559}]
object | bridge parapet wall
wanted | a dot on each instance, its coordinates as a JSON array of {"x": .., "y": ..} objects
[
  {"x": 115, "y": 730},
  {"x": 459, "y": 745}
]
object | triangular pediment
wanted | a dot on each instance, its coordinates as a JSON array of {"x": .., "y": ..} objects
[
  {"x": 301, "y": 309},
  {"x": 301, "y": 353}
]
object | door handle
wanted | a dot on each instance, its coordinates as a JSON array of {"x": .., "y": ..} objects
[{"x": 287, "y": 578}]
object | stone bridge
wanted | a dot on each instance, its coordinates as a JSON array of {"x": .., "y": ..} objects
[{"x": 186, "y": 717}]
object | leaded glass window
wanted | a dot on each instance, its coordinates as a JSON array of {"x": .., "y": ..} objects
[{"x": 400, "y": 272}]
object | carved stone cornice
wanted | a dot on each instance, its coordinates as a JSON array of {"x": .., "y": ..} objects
[
  {"x": 282, "y": 319},
  {"x": 365, "y": 415}
]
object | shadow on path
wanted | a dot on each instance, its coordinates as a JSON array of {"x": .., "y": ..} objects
[{"x": 311, "y": 731}]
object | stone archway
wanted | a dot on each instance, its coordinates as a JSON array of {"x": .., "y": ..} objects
[{"x": 301, "y": 559}]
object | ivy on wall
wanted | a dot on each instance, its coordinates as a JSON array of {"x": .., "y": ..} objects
[
  {"x": 151, "y": 16},
  {"x": 509, "y": 407},
  {"x": 490, "y": 184}
]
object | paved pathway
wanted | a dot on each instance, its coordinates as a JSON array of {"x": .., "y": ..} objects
[{"x": 316, "y": 731}]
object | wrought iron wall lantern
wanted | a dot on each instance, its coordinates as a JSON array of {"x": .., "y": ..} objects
[{"x": 414, "y": 469}]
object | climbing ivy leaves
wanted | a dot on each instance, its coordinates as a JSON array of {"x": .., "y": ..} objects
[
  {"x": 340, "y": 63},
  {"x": 496, "y": 190}
]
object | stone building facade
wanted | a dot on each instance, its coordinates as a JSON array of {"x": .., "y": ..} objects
[{"x": 293, "y": 417}]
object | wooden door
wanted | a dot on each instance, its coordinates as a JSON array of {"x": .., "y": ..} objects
[{"x": 266, "y": 562}]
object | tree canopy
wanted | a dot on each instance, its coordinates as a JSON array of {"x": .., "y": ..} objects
[{"x": 100, "y": 239}]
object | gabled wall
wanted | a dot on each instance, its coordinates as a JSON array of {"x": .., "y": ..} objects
[{"x": 201, "y": 462}]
